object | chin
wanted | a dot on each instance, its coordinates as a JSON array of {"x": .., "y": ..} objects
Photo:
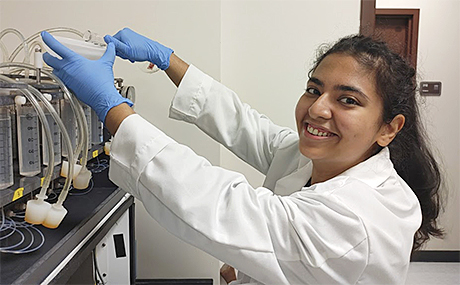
[{"x": 308, "y": 152}]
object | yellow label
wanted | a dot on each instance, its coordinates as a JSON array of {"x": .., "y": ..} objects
[
  {"x": 41, "y": 181},
  {"x": 18, "y": 193},
  {"x": 95, "y": 153}
]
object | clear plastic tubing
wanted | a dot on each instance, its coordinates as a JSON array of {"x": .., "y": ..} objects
[
  {"x": 80, "y": 121},
  {"x": 83, "y": 142},
  {"x": 36, "y": 35},
  {"x": 23, "y": 45},
  {"x": 42, "y": 117},
  {"x": 28, "y": 140},
  {"x": 6, "y": 149},
  {"x": 4, "y": 50},
  {"x": 55, "y": 134},
  {"x": 96, "y": 129},
  {"x": 65, "y": 137}
]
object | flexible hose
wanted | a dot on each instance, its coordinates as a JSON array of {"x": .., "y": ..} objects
[
  {"x": 4, "y": 51},
  {"x": 65, "y": 135},
  {"x": 36, "y": 35},
  {"x": 81, "y": 122},
  {"x": 23, "y": 44},
  {"x": 49, "y": 139}
]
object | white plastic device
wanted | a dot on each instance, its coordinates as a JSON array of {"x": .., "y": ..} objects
[{"x": 89, "y": 50}]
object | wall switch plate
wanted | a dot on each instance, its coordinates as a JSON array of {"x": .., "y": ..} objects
[{"x": 430, "y": 88}]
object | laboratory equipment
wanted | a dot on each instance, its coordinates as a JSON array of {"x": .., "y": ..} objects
[
  {"x": 55, "y": 215},
  {"x": 89, "y": 50},
  {"x": 32, "y": 41},
  {"x": 6, "y": 148},
  {"x": 24, "y": 44},
  {"x": 87, "y": 112},
  {"x": 128, "y": 92},
  {"x": 55, "y": 134},
  {"x": 97, "y": 129},
  {"x": 37, "y": 211},
  {"x": 28, "y": 138},
  {"x": 39, "y": 207},
  {"x": 84, "y": 175},
  {"x": 95, "y": 38},
  {"x": 35, "y": 132},
  {"x": 68, "y": 118}
]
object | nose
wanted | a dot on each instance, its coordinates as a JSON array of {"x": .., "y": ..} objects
[{"x": 321, "y": 108}]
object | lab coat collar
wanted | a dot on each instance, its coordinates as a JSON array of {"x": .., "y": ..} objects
[
  {"x": 373, "y": 171},
  {"x": 296, "y": 180}
]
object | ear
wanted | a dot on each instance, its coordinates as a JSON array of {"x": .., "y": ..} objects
[{"x": 389, "y": 131}]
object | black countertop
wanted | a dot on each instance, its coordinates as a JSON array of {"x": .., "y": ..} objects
[{"x": 89, "y": 217}]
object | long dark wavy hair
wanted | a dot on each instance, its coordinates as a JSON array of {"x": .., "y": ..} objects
[{"x": 410, "y": 152}]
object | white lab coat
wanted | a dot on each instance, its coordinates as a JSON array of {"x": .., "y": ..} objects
[{"x": 356, "y": 228}]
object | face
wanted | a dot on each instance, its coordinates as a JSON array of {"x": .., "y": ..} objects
[{"x": 339, "y": 117}]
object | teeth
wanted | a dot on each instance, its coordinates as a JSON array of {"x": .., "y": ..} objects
[{"x": 316, "y": 132}]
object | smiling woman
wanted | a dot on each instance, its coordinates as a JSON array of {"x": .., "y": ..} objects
[
  {"x": 339, "y": 118},
  {"x": 343, "y": 195},
  {"x": 394, "y": 83}
]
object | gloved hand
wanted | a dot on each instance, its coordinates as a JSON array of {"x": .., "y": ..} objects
[
  {"x": 91, "y": 81},
  {"x": 134, "y": 47}
]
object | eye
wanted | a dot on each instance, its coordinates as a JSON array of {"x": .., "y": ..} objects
[
  {"x": 313, "y": 91},
  {"x": 349, "y": 101}
]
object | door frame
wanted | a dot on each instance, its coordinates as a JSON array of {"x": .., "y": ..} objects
[{"x": 367, "y": 23}]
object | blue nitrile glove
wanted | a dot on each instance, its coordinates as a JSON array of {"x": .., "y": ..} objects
[
  {"x": 91, "y": 81},
  {"x": 134, "y": 47}
]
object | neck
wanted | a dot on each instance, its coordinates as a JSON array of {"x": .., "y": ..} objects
[{"x": 323, "y": 172}]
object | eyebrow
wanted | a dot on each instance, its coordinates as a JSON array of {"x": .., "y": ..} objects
[
  {"x": 340, "y": 87},
  {"x": 316, "y": 81}
]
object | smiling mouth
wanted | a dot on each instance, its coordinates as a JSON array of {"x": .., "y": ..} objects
[{"x": 318, "y": 132}]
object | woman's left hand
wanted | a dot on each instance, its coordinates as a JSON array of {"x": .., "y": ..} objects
[{"x": 92, "y": 81}]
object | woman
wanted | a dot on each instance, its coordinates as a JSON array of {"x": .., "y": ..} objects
[{"x": 334, "y": 207}]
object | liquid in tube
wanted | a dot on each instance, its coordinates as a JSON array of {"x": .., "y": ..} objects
[
  {"x": 69, "y": 121},
  {"x": 6, "y": 149},
  {"x": 28, "y": 140},
  {"x": 55, "y": 135}
]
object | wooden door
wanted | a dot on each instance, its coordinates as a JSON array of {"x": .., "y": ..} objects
[{"x": 397, "y": 27}]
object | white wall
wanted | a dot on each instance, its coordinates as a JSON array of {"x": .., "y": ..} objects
[
  {"x": 439, "y": 60},
  {"x": 267, "y": 50}
]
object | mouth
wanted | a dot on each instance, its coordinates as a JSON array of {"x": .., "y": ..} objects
[{"x": 317, "y": 131}]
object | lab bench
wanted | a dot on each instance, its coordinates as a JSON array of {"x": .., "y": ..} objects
[{"x": 66, "y": 257}]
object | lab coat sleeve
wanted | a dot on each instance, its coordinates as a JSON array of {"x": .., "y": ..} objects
[
  {"x": 219, "y": 212},
  {"x": 218, "y": 111}
]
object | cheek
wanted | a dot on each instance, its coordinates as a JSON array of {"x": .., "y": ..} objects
[
  {"x": 353, "y": 128},
  {"x": 360, "y": 129},
  {"x": 298, "y": 114},
  {"x": 301, "y": 109}
]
